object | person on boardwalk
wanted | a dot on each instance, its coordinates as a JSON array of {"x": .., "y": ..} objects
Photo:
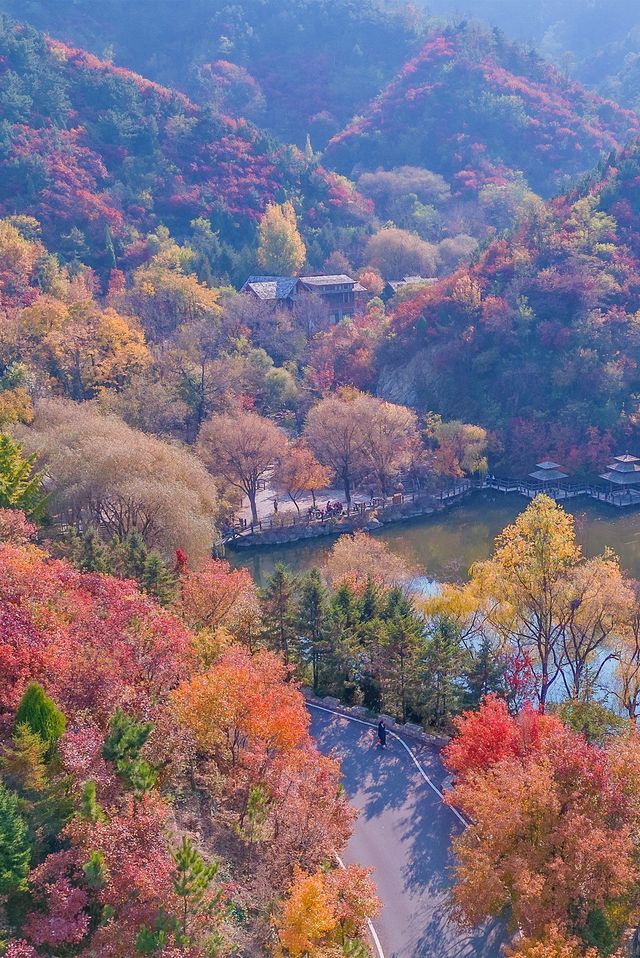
[{"x": 382, "y": 734}]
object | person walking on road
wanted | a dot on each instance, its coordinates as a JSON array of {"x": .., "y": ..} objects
[{"x": 382, "y": 734}]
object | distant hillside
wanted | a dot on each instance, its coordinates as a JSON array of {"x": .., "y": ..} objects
[
  {"x": 300, "y": 67},
  {"x": 597, "y": 43},
  {"x": 540, "y": 338},
  {"x": 474, "y": 107},
  {"x": 101, "y": 155}
]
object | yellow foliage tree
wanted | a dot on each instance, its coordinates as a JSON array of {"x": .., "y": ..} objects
[
  {"x": 556, "y": 944},
  {"x": 525, "y": 585},
  {"x": 307, "y": 918},
  {"x": 281, "y": 251},
  {"x": 82, "y": 346},
  {"x": 324, "y": 911},
  {"x": 359, "y": 557}
]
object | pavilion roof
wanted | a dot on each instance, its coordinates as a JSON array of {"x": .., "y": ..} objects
[
  {"x": 624, "y": 467},
  {"x": 622, "y": 478},
  {"x": 548, "y": 475},
  {"x": 547, "y": 464},
  {"x": 626, "y": 458}
]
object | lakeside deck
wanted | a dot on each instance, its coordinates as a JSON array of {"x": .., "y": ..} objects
[{"x": 290, "y": 527}]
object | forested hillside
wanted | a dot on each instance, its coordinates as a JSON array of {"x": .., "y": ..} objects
[
  {"x": 164, "y": 792},
  {"x": 539, "y": 339},
  {"x": 100, "y": 156},
  {"x": 296, "y": 66},
  {"x": 479, "y": 110},
  {"x": 283, "y": 271},
  {"x": 596, "y": 43}
]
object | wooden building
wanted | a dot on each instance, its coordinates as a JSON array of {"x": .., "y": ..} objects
[{"x": 342, "y": 295}]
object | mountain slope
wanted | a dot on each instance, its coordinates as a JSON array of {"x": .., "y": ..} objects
[
  {"x": 474, "y": 108},
  {"x": 101, "y": 155},
  {"x": 540, "y": 338},
  {"x": 309, "y": 65}
]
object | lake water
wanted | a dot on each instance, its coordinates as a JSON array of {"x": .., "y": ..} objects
[{"x": 443, "y": 547}]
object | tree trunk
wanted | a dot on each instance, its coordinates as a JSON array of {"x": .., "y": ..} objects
[
  {"x": 254, "y": 508},
  {"x": 347, "y": 486}
]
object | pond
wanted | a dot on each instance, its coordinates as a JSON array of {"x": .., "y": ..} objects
[{"x": 443, "y": 547}]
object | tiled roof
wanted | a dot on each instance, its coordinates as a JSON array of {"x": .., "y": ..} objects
[
  {"x": 547, "y": 475},
  {"x": 626, "y": 466},
  {"x": 547, "y": 464},
  {"x": 271, "y": 287},
  {"x": 340, "y": 279},
  {"x": 622, "y": 478},
  {"x": 626, "y": 458}
]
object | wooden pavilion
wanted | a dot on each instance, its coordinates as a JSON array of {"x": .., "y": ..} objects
[
  {"x": 548, "y": 472},
  {"x": 623, "y": 471}
]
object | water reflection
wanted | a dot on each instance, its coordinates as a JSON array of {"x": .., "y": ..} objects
[{"x": 443, "y": 547}]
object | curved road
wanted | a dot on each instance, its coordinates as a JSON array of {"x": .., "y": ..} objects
[{"x": 403, "y": 832}]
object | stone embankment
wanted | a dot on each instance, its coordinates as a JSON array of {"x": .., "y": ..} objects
[{"x": 279, "y": 530}]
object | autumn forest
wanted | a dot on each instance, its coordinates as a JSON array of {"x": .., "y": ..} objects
[{"x": 294, "y": 272}]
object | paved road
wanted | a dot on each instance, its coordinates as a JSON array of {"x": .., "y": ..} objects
[{"x": 403, "y": 831}]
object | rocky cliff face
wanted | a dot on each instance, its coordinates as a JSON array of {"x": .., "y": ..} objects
[{"x": 410, "y": 383}]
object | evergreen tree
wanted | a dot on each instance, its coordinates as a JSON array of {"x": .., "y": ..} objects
[
  {"x": 157, "y": 580},
  {"x": 443, "y": 663},
  {"x": 96, "y": 870},
  {"x": 369, "y": 603},
  {"x": 400, "y": 646},
  {"x": 313, "y": 623},
  {"x": 90, "y": 810},
  {"x": 20, "y": 486},
  {"x": 135, "y": 555},
  {"x": 278, "y": 611},
  {"x": 484, "y": 674},
  {"x": 41, "y": 714},
  {"x": 89, "y": 554},
  {"x": 15, "y": 849},
  {"x": 349, "y": 657},
  {"x": 191, "y": 882},
  {"x": 122, "y": 746}
]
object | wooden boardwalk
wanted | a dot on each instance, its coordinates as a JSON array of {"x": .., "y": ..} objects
[
  {"x": 457, "y": 491},
  {"x": 619, "y": 498}
]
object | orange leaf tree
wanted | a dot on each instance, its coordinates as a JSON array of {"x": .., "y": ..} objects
[{"x": 552, "y": 833}]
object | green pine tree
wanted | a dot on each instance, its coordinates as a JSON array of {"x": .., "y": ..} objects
[
  {"x": 90, "y": 810},
  {"x": 400, "y": 645},
  {"x": 135, "y": 555},
  {"x": 369, "y": 603},
  {"x": 313, "y": 623},
  {"x": 96, "y": 870},
  {"x": 122, "y": 746},
  {"x": 15, "y": 848},
  {"x": 278, "y": 611},
  {"x": 192, "y": 881},
  {"x": 20, "y": 485},
  {"x": 483, "y": 674},
  {"x": 41, "y": 714},
  {"x": 443, "y": 662},
  {"x": 89, "y": 553},
  {"x": 158, "y": 580}
]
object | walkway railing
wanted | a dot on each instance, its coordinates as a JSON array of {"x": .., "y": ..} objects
[
  {"x": 360, "y": 510},
  {"x": 449, "y": 494}
]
